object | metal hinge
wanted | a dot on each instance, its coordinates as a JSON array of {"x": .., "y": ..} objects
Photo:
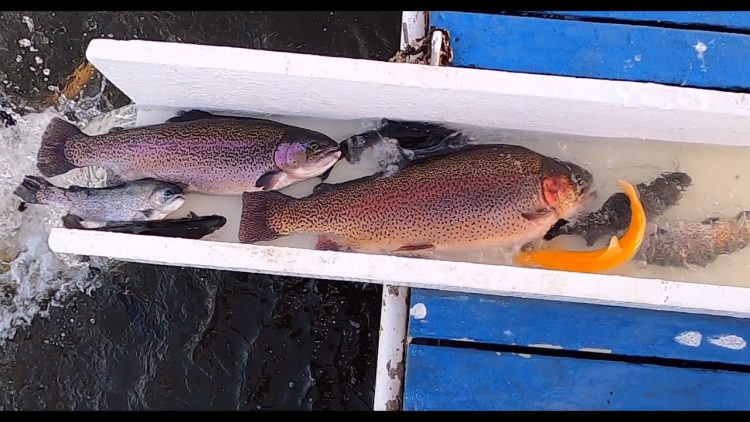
[{"x": 433, "y": 49}]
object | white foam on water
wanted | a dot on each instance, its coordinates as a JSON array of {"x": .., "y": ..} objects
[{"x": 32, "y": 277}]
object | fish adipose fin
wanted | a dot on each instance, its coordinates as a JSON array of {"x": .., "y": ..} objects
[
  {"x": 29, "y": 187},
  {"x": 51, "y": 160},
  {"x": 191, "y": 115},
  {"x": 256, "y": 208}
]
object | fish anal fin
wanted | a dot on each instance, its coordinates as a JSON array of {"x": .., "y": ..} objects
[{"x": 329, "y": 243}]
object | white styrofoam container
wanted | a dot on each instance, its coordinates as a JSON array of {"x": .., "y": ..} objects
[{"x": 156, "y": 74}]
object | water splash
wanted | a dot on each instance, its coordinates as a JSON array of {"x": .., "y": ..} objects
[{"x": 32, "y": 277}]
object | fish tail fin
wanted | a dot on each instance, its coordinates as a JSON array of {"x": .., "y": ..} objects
[
  {"x": 29, "y": 187},
  {"x": 51, "y": 160},
  {"x": 257, "y": 207}
]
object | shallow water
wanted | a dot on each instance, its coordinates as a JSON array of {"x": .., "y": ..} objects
[{"x": 718, "y": 173}]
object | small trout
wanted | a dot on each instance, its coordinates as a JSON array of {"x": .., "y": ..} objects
[{"x": 140, "y": 200}]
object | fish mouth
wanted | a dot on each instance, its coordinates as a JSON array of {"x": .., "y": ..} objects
[{"x": 329, "y": 151}]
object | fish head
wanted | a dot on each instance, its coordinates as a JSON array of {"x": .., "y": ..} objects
[
  {"x": 566, "y": 187},
  {"x": 308, "y": 156},
  {"x": 167, "y": 198}
]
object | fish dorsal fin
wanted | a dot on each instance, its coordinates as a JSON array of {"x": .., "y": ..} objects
[{"x": 191, "y": 115}]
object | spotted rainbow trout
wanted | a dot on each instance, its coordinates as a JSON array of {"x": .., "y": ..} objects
[
  {"x": 484, "y": 195},
  {"x": 201, "y": 151}
]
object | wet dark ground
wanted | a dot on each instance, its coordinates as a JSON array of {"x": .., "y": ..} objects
[{"x": 155, "y": 337}]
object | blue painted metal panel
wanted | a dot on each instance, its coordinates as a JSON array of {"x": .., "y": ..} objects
[
  {"x": 575, "y": 326},
  {"x": 598, "y": 50},
  {"x": 731, "y": 20},
  {"x": 440, "y": 378}
]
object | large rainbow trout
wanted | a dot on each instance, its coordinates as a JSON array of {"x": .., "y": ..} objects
[{"x": 478, "y": 196}]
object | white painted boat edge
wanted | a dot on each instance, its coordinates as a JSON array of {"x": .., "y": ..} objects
[
  {"x": 464, "y": 277},
  {"x": 164, "y": 74}
]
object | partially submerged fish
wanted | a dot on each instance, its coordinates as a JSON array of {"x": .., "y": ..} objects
[
  {"x": 488, "y": 195},
  {"x": 193, "y": 227},
  {"x": 681, "y": 244},
  {"x": 614, "y": 216},
  {"x": 421, "y": 139},
  {"x": 140, "y": 200},
  {"x": 204, "y": 152},
  {"x": 617, "y": 253}
]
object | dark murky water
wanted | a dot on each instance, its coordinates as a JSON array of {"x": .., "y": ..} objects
[{"x": 172, "y": 338}]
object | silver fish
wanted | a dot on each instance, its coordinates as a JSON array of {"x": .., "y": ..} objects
[{"x": 140, "y": 200}]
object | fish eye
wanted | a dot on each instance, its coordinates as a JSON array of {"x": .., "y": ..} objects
[
  {"x": 576, "y": 179},
  {"x": 314, "y": 147}
]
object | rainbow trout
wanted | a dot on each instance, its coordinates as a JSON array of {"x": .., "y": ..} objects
[
  {"x": 201, "y": 151},
  {"x": 478, "y": 196},
  {"x": 681, "y": 244},
  {"x": 140, "y": 200}
]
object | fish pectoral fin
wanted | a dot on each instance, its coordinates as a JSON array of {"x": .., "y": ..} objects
[
  {"x": 76, "y": 188},
  {"x": 537, "y": 214},
  {"x": 416, "y": 247},
  {"x": 710, "y": 220},
  {"x": 270, "y": 180},
  {"x": 72, "y": 221},
  {"x": 614, "y": 248},
  {"x": 323, "y": 176},
  {"x": 328, "y": 243},
  {"x": 151, "y": 214},
  {"x": 191, "y": 115}
]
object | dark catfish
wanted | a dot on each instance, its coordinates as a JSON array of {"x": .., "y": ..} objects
[{"x": 614, "y": 216}]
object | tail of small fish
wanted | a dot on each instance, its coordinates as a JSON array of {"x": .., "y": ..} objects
[
  {"x": 257, "y": 207},
  {"x": 30, "y": 186},
  {"x": 51, "y": 159}
]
